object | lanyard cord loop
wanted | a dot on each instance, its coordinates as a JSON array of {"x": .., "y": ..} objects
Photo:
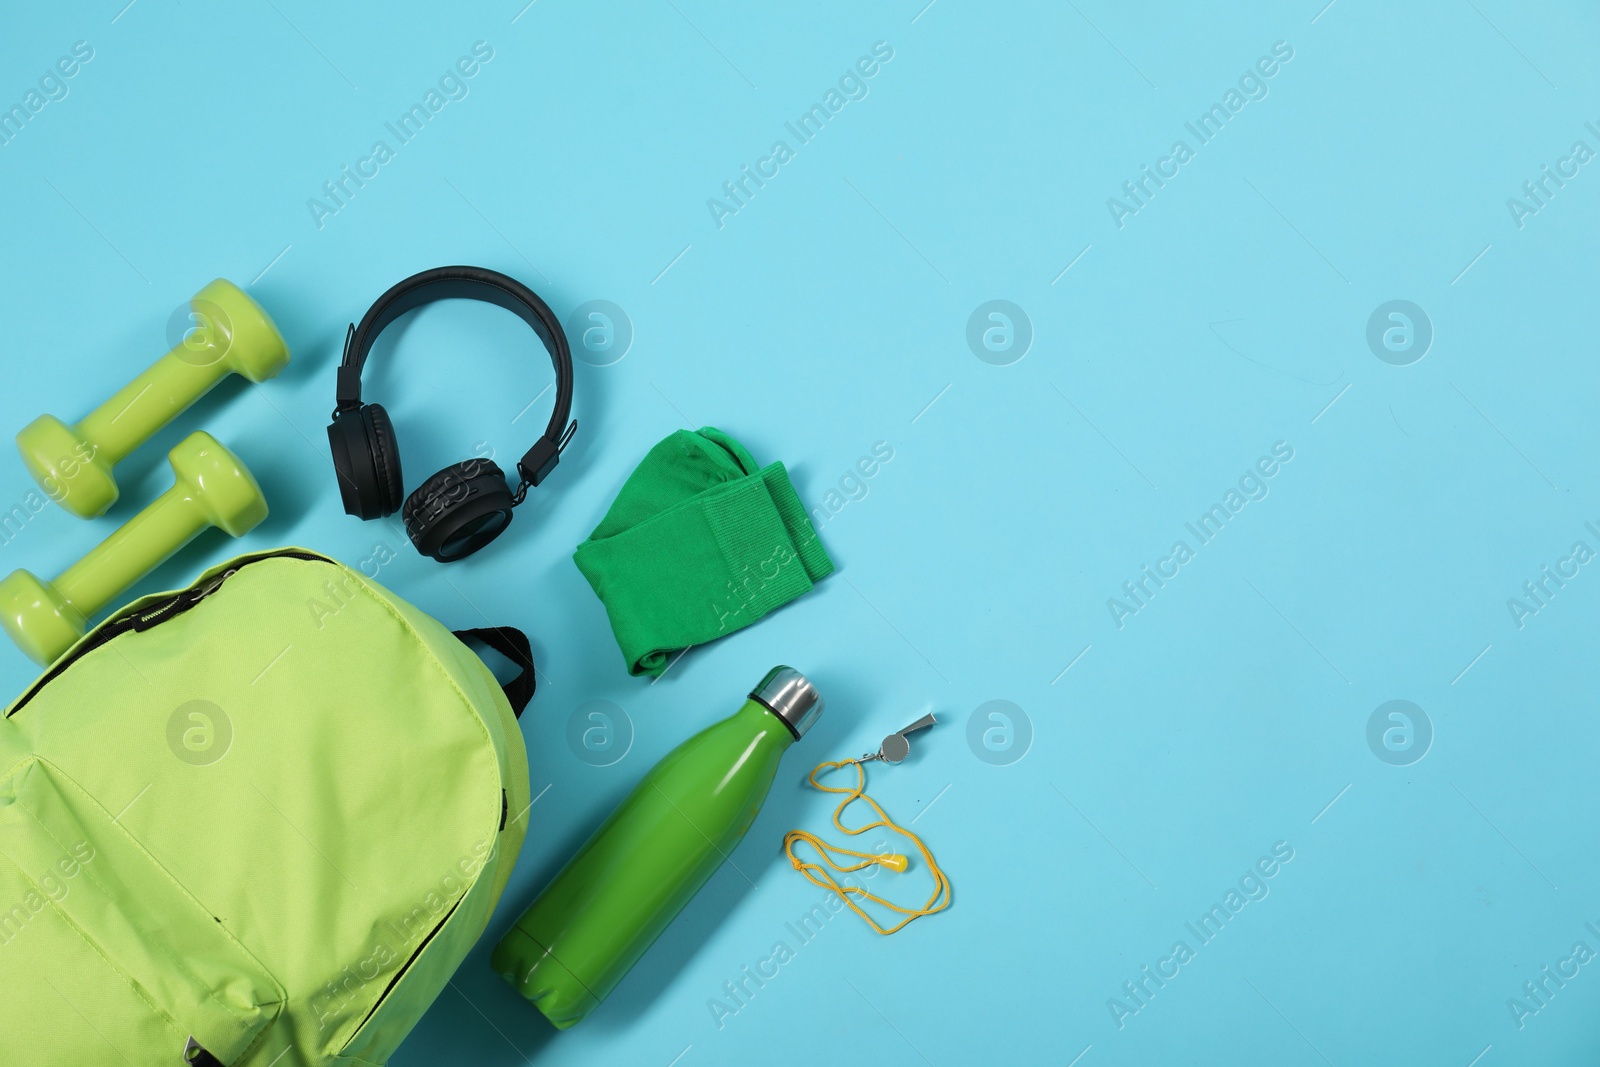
[{"x": 823, "y": 876}]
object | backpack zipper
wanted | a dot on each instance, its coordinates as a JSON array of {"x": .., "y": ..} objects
[
  {"x": 404, "y": 970},
  {"x": 149, "y": 616},
  {"x": 178, "y": 604}
]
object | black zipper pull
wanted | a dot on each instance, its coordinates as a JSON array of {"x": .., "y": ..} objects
[
  {"x": 199, "y": 1057},
  {"x": 180, "y": 603}
]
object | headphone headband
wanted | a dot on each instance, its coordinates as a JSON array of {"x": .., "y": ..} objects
[{"x": 491, "y": 287}]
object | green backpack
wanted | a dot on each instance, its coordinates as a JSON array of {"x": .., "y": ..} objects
[{"x": 259, "y": 821}]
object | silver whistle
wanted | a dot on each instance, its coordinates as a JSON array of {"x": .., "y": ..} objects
[{"x": 896, "y": 747}]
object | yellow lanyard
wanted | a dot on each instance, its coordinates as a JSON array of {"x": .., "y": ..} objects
[{"x": 820, "y": 876}]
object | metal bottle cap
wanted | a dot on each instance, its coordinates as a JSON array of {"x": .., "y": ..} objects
[{"x": 787, "y": 694}]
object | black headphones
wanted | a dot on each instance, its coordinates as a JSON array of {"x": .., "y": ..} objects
[{"x": 465, "y": 506}]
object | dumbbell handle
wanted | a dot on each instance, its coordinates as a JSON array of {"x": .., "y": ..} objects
[
  {"x": 158, "y": 395},
  {"x": 138, "y": 547}
]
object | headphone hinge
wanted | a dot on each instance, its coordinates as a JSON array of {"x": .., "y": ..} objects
[
  {"x": 537, "y": 463},
  {"x": 348, "y": 390}
]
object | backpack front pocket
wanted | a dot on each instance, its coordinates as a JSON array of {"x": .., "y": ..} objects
[{"x": 108, "y": 959}]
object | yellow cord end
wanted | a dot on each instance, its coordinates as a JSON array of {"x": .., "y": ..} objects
[{"x": 894, "y": 861}]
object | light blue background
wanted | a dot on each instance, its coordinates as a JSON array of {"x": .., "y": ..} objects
[{"x": 830, "y": 313}]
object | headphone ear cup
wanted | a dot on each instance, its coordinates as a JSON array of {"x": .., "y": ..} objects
[
  {"x": 349, "y": 442},
  {"x": 458, "y": 510},
  {"x": 384, "y": 446}
]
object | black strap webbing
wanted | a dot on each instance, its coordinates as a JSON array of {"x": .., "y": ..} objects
[{"x": 511, "y": 643}]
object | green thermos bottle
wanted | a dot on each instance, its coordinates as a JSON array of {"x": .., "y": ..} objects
[{"x": 632, "y": 877}]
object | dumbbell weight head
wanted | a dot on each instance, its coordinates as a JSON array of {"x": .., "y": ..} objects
[
  {"x": 73, "y": 472},
  {"x": 225, "y": 332},
  {"x": 219, "y": 484},
  {"x": 39, "y": 619},
  {"x": 231, "y": 329}
]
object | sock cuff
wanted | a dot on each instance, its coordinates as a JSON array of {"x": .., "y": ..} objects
[
  {"x": 764, "y": 571},
  {"x": 802, "y": 535}
]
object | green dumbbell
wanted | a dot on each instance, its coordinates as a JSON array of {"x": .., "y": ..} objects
[
  {"x": 72, "y": 464},
  {"x": 213, "y": 489}
]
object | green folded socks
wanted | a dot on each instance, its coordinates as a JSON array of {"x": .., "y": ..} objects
[{"x": 698, "y": 543}]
